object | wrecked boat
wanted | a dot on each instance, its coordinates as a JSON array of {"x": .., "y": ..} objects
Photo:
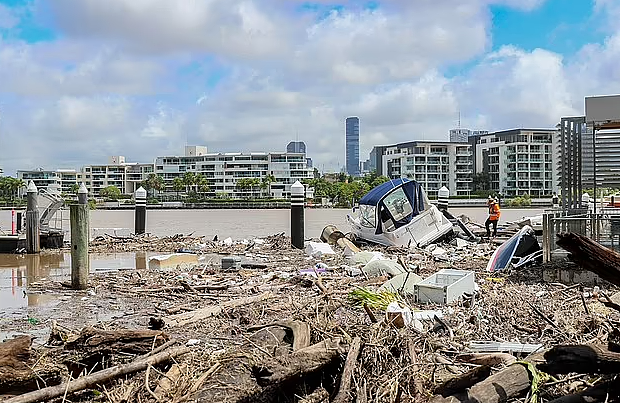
[
  {"x": 398, "y": 213},
  {"x": 520, "y": 250}
]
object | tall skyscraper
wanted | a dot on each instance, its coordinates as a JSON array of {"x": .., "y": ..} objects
[
  {"x": 296, "y": 147},
  {"x": 352, "y": 146}
]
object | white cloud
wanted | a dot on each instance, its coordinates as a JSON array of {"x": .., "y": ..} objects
[
  {"x": 141, "y": 77},
  {"x": 7, "y": 18}
]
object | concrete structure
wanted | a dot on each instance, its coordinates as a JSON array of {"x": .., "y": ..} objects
[
  {"x": 462, "y": 135},
  {"x": 223, "y": 171},
  {"x": 518, "y": 161},
  {"x": 432, "y": 164},
  {"x": 62, "y": 178},
  {"x": 125, "y": 176},
  {"x": 296, "y": 147},
  {"x": 352, "y": 146}
]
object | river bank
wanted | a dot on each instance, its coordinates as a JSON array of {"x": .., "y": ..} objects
[{"x": 231, "y": 323}]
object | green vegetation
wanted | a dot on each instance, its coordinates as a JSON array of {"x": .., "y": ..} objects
[
  {"x": 9, "y": 191},
  {"x": 110, "y": 193},
  {"x": 519, "y": 201}
]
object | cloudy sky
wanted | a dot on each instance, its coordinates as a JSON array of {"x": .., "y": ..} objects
[{"x": 84, "y": 79}]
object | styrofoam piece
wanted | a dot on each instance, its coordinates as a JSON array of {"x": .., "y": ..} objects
[
  {"x": 402, "y": 283},
  {"x": 376, "y": 268},
  {"x": 427, "y": 315},
  {"x": 228, "y": 241},
  {"x": 444, "y": 287},
  {"x": 318, "y": 249},
  {"x": 365, "y": 257},
  {"x": 395, "y": 312},
  {"x": 172, "y": 261}
]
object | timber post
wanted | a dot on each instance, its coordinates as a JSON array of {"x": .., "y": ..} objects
[
  {"x": 33, "y": 232},
  {"x": 80, "y": 232}
]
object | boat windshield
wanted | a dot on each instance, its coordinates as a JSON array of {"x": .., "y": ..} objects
[
  {"x": 368, "y": 217},
  {"x": 398, "y": 205}
]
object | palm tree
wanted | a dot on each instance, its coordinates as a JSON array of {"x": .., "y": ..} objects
[
  {"x": 189, "y": 179},
  {"x": 15, "y": 185},
  {"x": 266, "y": 182},
  {"x": 75, "y": 188},
  {"x": 155, "y": 183},
  {"x": 178, "y": 185}
]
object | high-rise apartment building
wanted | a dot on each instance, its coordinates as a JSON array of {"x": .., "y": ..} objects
[
  {"x": 432, "y": 164},
  {"x": 352, "y": 146},
  {"x": 518, "y": 161},
  {"x": 463, "y": 135},
  {"x": 224, "y": 170},
  {"x": 296, "y": 147}
]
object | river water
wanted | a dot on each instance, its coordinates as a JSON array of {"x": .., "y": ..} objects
[{"x": 17, "y": 272}]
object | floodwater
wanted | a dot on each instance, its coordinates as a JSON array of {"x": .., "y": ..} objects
[
  {"x": 238, "y": 224},
  {"x": 17, "y": 272}
]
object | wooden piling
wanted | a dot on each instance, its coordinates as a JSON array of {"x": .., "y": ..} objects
[
  {"x": 33, "y": 233},
  {"x": 80, "y": 232}
]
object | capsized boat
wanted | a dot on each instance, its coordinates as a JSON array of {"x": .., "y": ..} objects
[
  {"x": 521, "y": 249},
  {"x": 398, "y": 213}
]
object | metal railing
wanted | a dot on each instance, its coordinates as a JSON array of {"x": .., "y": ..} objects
[{"x": 603, "y": 227}]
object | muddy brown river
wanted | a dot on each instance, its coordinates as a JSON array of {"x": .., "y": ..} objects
[{"x": 17, "y": 271}]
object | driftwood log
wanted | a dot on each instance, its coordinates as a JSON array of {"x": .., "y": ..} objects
[
  {"x": 590, "y": 359},
  {"x": 187, "y": 318},
  {"x": 459, "y": 383},
  {"x": 344, "y": 395},
  {"x": 97, "y": 378},
  {"x": 506, "y": 384},
  {"x": 277, "y": 371},
  {"x": 16, "y": 373},
  {"x": 300, "y": 330},
  {"x": 125, "y": 341},
  {"x": 592, "y": 256}
]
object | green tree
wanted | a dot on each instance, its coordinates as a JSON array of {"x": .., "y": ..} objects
[
  {"x": 189, "y": 179},
  {"x": 202, "y": 184},
  {"x": 75, "y": 188},
  {"x": 266, "y": 182},
  {"x": 178, "y": 185},
  {"x": 155, "y": 183},
  {"x": 110, "y": 192}
]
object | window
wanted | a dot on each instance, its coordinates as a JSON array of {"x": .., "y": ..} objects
[
  {"x": 398, "y": 205},
  {"x": 368, "y": 216}
]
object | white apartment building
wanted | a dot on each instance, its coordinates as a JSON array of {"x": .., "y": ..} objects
[
  {"x": 519, "y": 161},
  {"x": 125, "y": 176},
  {"x": 62, "y": 179},
  {"x": 224, "y": 170},
  {"x": 432, "y": 164}
]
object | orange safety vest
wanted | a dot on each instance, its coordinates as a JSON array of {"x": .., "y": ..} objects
[{"x": 494, "y": 212}]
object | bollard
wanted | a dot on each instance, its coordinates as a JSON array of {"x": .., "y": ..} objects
[
  {"x": 20, "y": 220},
  {"x": 585, "y": 201},
  {"x": 33, "y": 237},
  {"x": 13, "y": 231},
  {"x": 140, "y": 213},
  {"x": 555, "y": 201},
  {"x": 443, "y": 195},
  {"x": 80, "y": 232},
  {"x": 297, "y": 215}
]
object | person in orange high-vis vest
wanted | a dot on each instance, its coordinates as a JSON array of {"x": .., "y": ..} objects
[{"x": 494, "y": 213}]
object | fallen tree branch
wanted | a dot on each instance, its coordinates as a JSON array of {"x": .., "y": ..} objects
[
  {"x": 581, "y": 359},
  {"x": 186, "y": 318},
  {"x": 592, "y": 256},
  {"x": 98, "y": 377},
  {"x": 343, "y": 395}
]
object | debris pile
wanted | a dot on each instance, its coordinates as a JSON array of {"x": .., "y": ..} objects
[{"x": 325, "y": 324}]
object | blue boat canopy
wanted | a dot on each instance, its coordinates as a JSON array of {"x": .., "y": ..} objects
[
  {"x": 376, "y": 194},
  {"x": 400, "y": 210}
]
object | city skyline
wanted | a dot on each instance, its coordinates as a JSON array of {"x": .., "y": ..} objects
[{"x": 83, "y": 80}]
